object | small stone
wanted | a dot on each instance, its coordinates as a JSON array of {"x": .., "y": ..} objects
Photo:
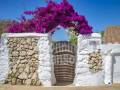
[
  {"x": 26, "y": 69},
  {"x": 21, "y": 70},
  {"x": 33, "y": 82},
  {"x": 38, "y": 83},
  {"x": 21, "y": 57},
  {"x": 26, "y": 46},
  {"x": 33, "y": 59},
  {"x": 13, "y": 81},
  {"x": 30, "y": 75},
  {"x": 30, "y": 52},
  {"x": 19, "y": 81},
  {"x": 23, "y": 53},
  {"x": 36, "y": 56},
  {"x": 14, "y": 70},
  {"x": 28, "y": 40},
  {"x": 34, "y": 76},
  {"x": 31, "y": 47},
  {"x": 23, "y": 42},
  {"x": 23, "y": 61},
  {"x": 23, "y": 75},
  {"x": 15, "y": 53},
  {"x": 28, "y": 82}
]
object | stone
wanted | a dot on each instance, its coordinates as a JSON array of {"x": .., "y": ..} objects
[
  {"x": 14, "y": 70},
  {"x": 32, "y": 69},
  {"x": 28, "y": 40},
  {"x": 21, "y": 70},
  {"x": 13, "y": 82},
  {"x": 23, "y": 61},
  {"x": 31, "y": 47},
  {"x": 21, "y": 57},
  {"x": 23, "y": 42},
  {"x": 15, "y": 53},
  {"x": 38, "y": 83},
  {"x": 30, "y": 52},
  {"x": 28, "y": 82},
  {"x": 26, "y": 69},
  {"x": 34, "y": 82},
  {"x": 23, "y": 75},
  {"x": 26, "y": 46},
  {"x": 33, "y": 59},
  {"x": 23, "y": 53},
  {"x": 36, "y": 56},
  {"x": 17, "y": 74},
  {"x": 19, "y": 81},
  {"x": 34, "y": 75},
  {"x": 30, "y": 75}
]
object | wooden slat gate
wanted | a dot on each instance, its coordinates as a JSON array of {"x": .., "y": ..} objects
[{"x": 64, "y": 56}]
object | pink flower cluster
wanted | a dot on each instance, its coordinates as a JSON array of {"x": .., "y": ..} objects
[{"x": 46, "y": 19}]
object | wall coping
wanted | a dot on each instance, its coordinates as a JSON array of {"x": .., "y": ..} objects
[{"x": 26, "y": 34}]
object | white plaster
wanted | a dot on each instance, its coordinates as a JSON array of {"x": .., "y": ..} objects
[
  {"x": 46, "y": 68},
  {"x": 26, "y": 34},
  {"x": 4, "y": 62},
  {"x": 83, "y": 77},
  {"x": 111, "y": 53}
]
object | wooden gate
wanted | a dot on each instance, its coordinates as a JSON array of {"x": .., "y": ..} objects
[{"x": 64, "y": 56}]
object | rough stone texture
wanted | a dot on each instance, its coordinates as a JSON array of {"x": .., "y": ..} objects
[
  {"x": 23, "y": 61},
  {"x": 83, "y": 75},
  {"x": 46, "y": 67},
  {"x": 4, "y": 65},
  {"x": 95, "y": 61},
  {"x": 30, "y": 60}
]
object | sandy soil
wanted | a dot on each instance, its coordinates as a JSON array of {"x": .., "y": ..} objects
[{"x": 21, "y": 87}]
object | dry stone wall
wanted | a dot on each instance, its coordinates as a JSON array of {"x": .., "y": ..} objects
[
  {"x": 23, "y": 61},
  {"x": 26, "y": 59}
]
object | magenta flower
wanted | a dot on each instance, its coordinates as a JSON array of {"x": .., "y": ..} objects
[{"x": 46, "y": 19}]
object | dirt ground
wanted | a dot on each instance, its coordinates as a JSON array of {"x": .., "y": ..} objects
[{"x": 21, "y": 87}]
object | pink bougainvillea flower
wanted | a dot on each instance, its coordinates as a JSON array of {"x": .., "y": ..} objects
[{"x": 46, "y": 19}]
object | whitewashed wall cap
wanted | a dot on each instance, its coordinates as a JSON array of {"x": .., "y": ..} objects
[
  {"x": 26, "y": 34},
  {"x": 96, "y": 35}
]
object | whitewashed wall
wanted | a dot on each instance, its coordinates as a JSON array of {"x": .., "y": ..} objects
[
  {"x": 111, "y": 53},
  {"x": 83, "y": 77},
  {"x": 4, "y": 62},
  {"x": 46, "y": 68}
]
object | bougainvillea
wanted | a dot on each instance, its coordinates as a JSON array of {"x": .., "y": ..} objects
[{"x": 46, "y": 19}]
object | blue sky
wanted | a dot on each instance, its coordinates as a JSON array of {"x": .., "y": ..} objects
[{"x": 99, "y": 13}]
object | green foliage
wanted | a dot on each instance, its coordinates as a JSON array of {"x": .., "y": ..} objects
[
  {"x": 73, "y": 39},
  {"x": 102, "y": 34}
]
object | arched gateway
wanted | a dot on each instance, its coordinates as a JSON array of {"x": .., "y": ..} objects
[{"x": 46, "y": 20}]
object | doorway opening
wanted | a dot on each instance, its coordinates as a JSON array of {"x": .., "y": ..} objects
[{"x": 64, "y": 57}]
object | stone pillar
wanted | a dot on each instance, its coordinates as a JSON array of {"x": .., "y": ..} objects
[{"x": 83, "y": 76}]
